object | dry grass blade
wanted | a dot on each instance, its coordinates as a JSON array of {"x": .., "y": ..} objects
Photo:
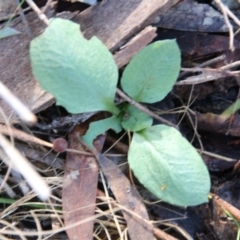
[
  {"x": 23, "y": 112},
  {"x": 25, "y": 168}
]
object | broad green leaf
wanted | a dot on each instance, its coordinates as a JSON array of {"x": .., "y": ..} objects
[
  {"x": 151, "y": 74},
  {"x": 168, "y": 166},
  {"x": 7, "y": 32},
  {"x": 80, "y": 73},
  {"x": 100, "y": 127},
  {"x": 133, "y": 119}
]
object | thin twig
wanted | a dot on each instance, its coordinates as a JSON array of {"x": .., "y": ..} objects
[
  {"x": 206, "y": 76},
  {"x": 220, "y": 157},
  {"x": 144, "y": 109},
  {"x": 18, "y": 134},
  {"x": 230, "y": 65},
  {"x": 25, "y": 168},
  {"x": 36, "y": 9},
  {"x": 24, "y": 113},
  {"x": 231, "y": 15},
  {"x": 205, "y": 64},
  {"x": 225, "y": 12},
  {"x": 212, "y": 61}
]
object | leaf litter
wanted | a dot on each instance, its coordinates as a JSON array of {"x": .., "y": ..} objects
[{"x": 220, "y": 89}]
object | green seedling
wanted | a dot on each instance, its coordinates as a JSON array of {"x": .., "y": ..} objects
[{"x": 82, "y": 76}]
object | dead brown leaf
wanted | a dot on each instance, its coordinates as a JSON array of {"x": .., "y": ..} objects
[{"x": 80, "y": 187}]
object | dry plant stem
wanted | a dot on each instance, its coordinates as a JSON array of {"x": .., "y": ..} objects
[
  {"x": 209, "y": 74},
  {"x": 109, "y": 224},
  {"x": 102, "y": 197},
  {"x": 210, "y": 70},
  {"x": 25, "y": 168},
  {"x": 212, "y": 61},
  {"x": 207, "y": 63},
  {"x": 23, "y": 136},
  {"x": 117, "y": 145},
  {"x": 230, "y": 14},
  {"x": 162, "y": 235},
  {"x": 36, "y": 9},
  {"x": 230, "y": 65},
  {"x": 24, "y": 113},
  {"x": 206, "y": 76},
  {"x": 38, "y": 225},
  {"x": 179, "y": 229},
  {"x": 194, "y": 124},
  {"x": 183, "y": 104},
  {"x": 103, "y": 225},
  {"x": 220, "y": 157},
  {"x": 225, "y": 12},
  {"x": 144, "y": 109}
]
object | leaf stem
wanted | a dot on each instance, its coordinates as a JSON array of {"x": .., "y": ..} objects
[{"x": 144, "y": 109}]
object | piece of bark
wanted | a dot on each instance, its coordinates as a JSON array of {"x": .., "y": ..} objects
[
  {"x": 16, "y": 71},
  {"x": 134, "y": 46},
  {"x": 114, "y": 22}
]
